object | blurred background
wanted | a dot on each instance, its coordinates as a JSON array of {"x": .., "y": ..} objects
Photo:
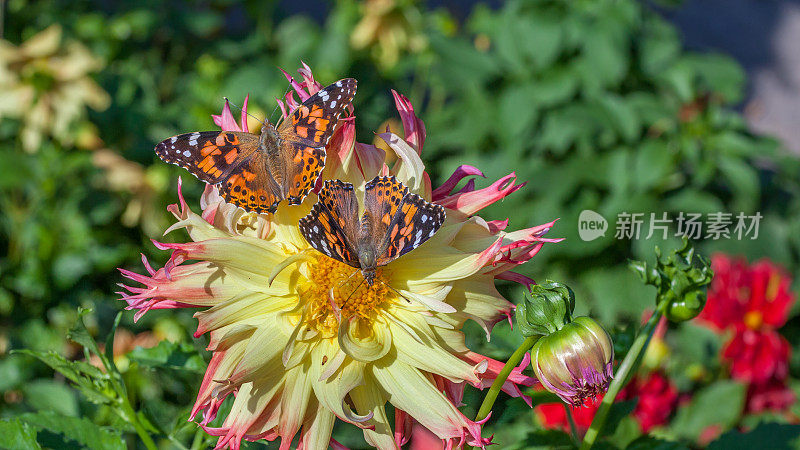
[{"x": 609, "y": 105}]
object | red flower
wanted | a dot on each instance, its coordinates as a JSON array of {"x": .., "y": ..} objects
[
  {"x": 657, "y": 399},
  {"x": 773, "y": 395},
  {"x": 757, "y": 356},
  {"x": 754, "y": 296},
  {"x": 753, "y": 301},
  {"x": 553, "y": 415}
]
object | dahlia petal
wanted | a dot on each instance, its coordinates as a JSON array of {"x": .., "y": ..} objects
[
  {"x": 245, "y": 128},
  {"x": 189, "y": 285},
  {"x": 403, "y": 424},
  {"x": 514, "y": 380},
  {"x": 317, "y": 432},
  {"x": 298, "y": 87},
  {"x": 460, "y": 173},
  {"x": 219, "y": 368},
  {"x": 246, "y": 308},
  {"x": 364, "y": 340},
  {"x": 515, "y": 277},
  {"x": 248, "y": 259},
  {"x": 413, "y": 127},
  {"x": 432, "y": 300},
  {"x": 226, "y": 120},
  {"x": 294, "y": 403},
  {"x": 367, "y": 398},
  {"x": 477, "y": 298},
  {"x": 431, "y": 357},
  {"x": 411, "y": 391},
  {"x": 469, "y": 203},
  {"x": 409, "y": 168},
  {"x": 263, "y": 353},
  {"x": 250, "y": 410},
  {"x": 421, "y": 267},
  {"x": 332, "y": 392}
]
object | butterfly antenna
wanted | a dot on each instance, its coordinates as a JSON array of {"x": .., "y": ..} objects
[
  {"x": 240, "y": 109},
  {"x": 351, "y": 294},
  {"x": 348, "y": 278},
  {"x": 281, "y": 99},
  {"x": 394, "y": 290}
]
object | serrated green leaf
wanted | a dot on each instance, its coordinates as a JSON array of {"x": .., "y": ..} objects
[
  {"x": 15, "y": 434},
  {"x": 80, "y": 430},
  {"x": 79, "y": 334},
  {"x": 94, "y": 384},
  {"x": 170, "y": 355}
]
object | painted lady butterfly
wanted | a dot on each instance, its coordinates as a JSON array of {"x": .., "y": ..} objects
[
  {"x": 258, "y": 172},
  {"x": 394, "y": 222}
]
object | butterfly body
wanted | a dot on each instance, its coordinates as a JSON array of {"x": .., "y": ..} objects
[
  {"x": 257, "y": 172},
  {"x": 394, "y": 222}
]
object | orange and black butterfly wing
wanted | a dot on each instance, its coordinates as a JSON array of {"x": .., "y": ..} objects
[
  {"x": 252, "y": 186},
  {"x": 314, "y": 121},
  {"x": 382, "y": 198},
  {"x": 406, "y": 219},
  {"x": 301, "y": 172},
  {"x": 331, "y": 226},
  {"x": 209, "y": 155}
]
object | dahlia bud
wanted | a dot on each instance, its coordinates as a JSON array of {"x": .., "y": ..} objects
[
  {"x": 681, "y": 283},
  {"x": 548, "y": 308},
  {"x": 575, "y": 361}
]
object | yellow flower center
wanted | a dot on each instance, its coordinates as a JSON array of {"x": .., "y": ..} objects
[
  {"x": 337, "y": 292},
  {"x": 753, "y": 319}
]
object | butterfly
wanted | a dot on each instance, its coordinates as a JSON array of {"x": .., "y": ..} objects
[
  {"x": 395, "y": 221},
  {"x": 257, "y": 172}
]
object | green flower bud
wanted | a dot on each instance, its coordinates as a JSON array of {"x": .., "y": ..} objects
[
  {"x": 681, "y": 286},
  {"x": 546, "y": 310}
]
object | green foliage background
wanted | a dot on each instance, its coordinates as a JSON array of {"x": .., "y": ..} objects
[{"x": 594, "y": 103}]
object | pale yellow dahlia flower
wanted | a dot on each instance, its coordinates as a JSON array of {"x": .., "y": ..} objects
[{"x": 288, "y": 347}]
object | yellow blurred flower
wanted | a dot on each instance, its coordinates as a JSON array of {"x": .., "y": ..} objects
[
  {"x": 388, "y": 28},
  {"x": 45, "y": 83}
]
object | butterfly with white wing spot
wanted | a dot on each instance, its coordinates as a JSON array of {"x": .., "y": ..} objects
[
  {"x": 257, "y": 172},
  {"x": 395, "y": 222}
]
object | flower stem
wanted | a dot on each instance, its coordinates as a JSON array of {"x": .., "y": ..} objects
[
  {"x": 626, "y": 369},
  {"x": 573, "y": 430},
  {"x": 491, "y": 396}
]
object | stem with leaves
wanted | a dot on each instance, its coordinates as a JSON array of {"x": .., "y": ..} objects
[
  {"x": 81, "y": 335},
  {"x": 626, "y": 369},
  {"x": 681, "y": 295}
]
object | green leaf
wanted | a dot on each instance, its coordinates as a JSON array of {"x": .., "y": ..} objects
[
  {"x": 110, "y": 338},
  {"x": 766, "y": 435},
  {"x": 94, "y": 384},
  {"x": 15, "y": 434},
  {"x": 80, "y": 334},
  {"x": 51, "y": 395},
  {"x": 719, "y": 404},
  {"x": 80, "y": 430},
  {"x": 546, "y": 439},
  {"x": 743, "y": 180},
  {"x": 653, "y": 443},
  {"x": 170, "y": 355},
  {"x": 618, "y": 411}
]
